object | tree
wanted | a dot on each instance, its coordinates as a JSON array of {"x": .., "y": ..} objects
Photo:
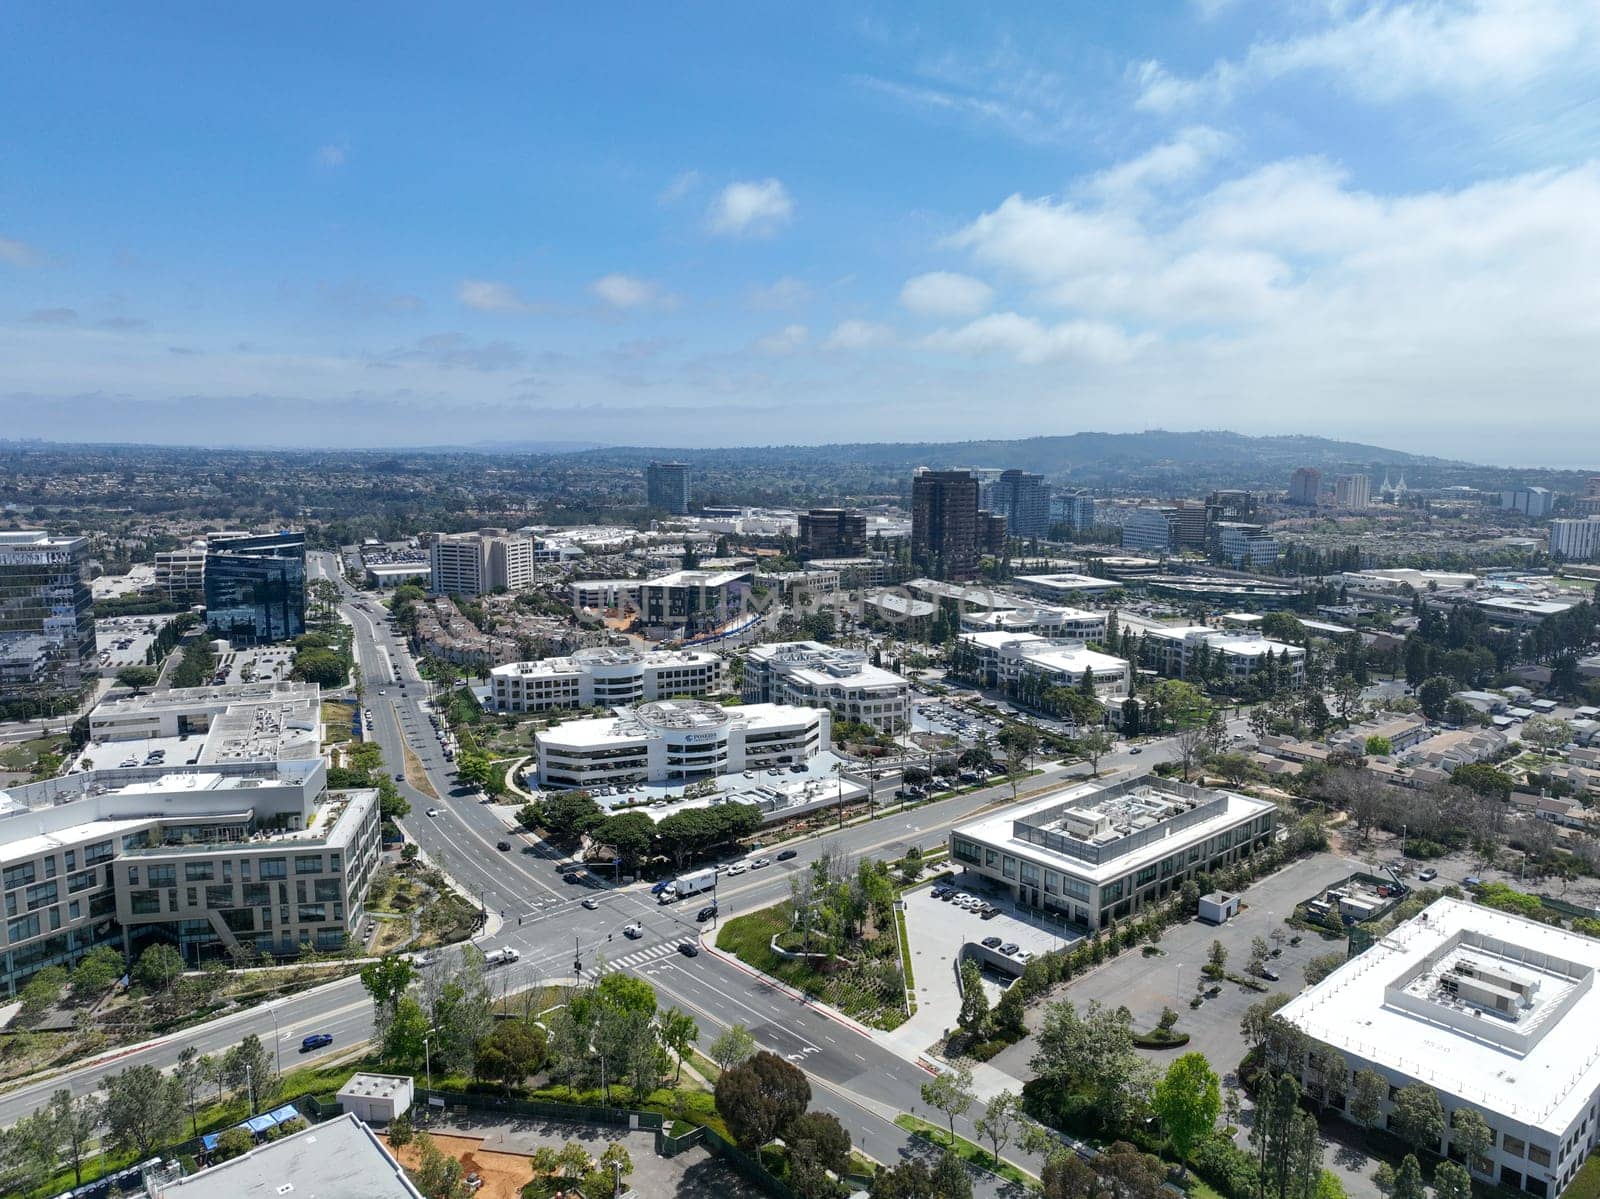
[
  {"x": 1191, "y": 743},
  {"x": 97, "y": 970},
  {"x": 158, "y": 966},
  {"x": 1067, "y": 1176},
  {"x": 386, "y": 980},
  {"x": 1377, "y": 746},
  {"x": 951, "y": 1179},
  {"x": 758, "y": 1098},
  {"x": 950, "y": 1092},
  {"x": 1470, "y": 1135},
  {"x": 73, "y": 1123},
  {"x": 402, "y": 1041},
  {"x": 143, "y": 1110},
  {"x": 626, "y": 993},
  {"x": 1368, "y": 1090},
  {"x": 1408, "y": 1180},
  {"x": 679, "y": 1032},
  {"x": 1259, "y": 949},
  {"x": 232, "y": 1143},
  {"x": 400, "y": 1130},
  {"x": 28, "y": 1154},
  {"x": 43, "y": 989},
  {"x": 191, "y": 1076},
  {"x": 1324, "y": 964},
  {"x": 249, "y": 1067},
  {"x": 817, "y": 1144},
  {"x": 1383, "y": 1178},
  {"x": 1433, "y": 695},
  {"x": 1188, "y": 1099},
  {"x": 440, "y": 1176},
  {"x": 513, "y": 1050},
  {"x": 999, "y": 1121},
  {"x": 1217, "y": 957},
  {"x": 1418, "y": 1116},
  {"x": 1451, "y": 1181},
  {"x": 1484, "y": 780},
  {"x": 570, "y": 814},
  {"x": 732, "y": 1046},
  {"x": 138, "y": 677},
  {"x": 1546, "y": 733},
  {"x": 629, "y": 834},
  {"x": 1094, "y": 1054},
  {"x": 974, "y": 1002},
  {"x": 1095, "y": 746},
  {"x": 948, "y": 1179},
  {"x": 616, "y": 1161}
]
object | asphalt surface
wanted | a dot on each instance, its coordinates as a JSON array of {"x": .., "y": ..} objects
[{"x": 854, "y": 1077}]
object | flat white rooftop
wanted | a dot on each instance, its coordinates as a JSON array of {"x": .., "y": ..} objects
[
  {"x": 1494, "y": 1009},
  {"x": 639, "y": 724}
]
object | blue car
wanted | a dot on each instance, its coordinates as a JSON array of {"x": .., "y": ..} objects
[
  {"x": 661, "y": 886},
  {"x": 317, "y": 1040}
]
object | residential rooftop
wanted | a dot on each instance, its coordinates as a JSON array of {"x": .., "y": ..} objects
[{"x": 338, "y": 1159}]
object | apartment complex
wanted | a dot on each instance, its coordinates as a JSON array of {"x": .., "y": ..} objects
[
  {"x": 1023, "y": 499},
  {"x": 1003, "y": 658},
  {"x": 1495, "y": 1013},
  {"x": 687, "y": 602},
  {"x": 843, "y": 681},
  {"x": 1353, "y": 492},
  {"x": 945, "y": 533},
  {"x": 472, "y": 564},
  {"x": 666, "y": 487},
  {"x": 606, "y": 677},
  {"x": 1101, "y": 851},
  {"x": 255, "y": 586},
  {"x": 1576, "y": 540},
  {"x": 47, "y": 646},
  {"x": 1305, "y": 486},
  {"x": 1530, "y": 501},
  {"x": 673, "y": 741},
  {"x": 253, "y": 854},
  {"x": 181, "y": 574},
  {"x": 832, "y": 533}
]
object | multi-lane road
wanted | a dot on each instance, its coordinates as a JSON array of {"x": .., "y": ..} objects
[{"x": 532, "y": 910}]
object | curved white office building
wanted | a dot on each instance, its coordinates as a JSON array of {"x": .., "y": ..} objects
[{"x": 606, "y": 676}]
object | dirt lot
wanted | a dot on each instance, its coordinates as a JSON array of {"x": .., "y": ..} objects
[{"x": 504, "y": 1174}]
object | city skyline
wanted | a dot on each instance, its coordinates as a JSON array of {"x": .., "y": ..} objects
[{"x": 1366, "y": 222}]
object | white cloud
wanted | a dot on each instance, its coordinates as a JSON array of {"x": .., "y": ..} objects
[
  {"x": 1032, "y": 343},
  {"x": 946, "y": 294},
  {"x": 485, "y": 295},
  {"x": 17, "y": 253},
  {"x": 682, "y": 184},
  {"x": 787, "y": 292},
  {"x": 1387, "y": 49},
  {"x": 751, "y": 209},
  {"x": 784, "y": 341},
  {"x": 625, "y": 291},
  {"x": 331, "y": 156},
  {"x": 1179, "y": 160},
  {"x": 858, "y": 335}
]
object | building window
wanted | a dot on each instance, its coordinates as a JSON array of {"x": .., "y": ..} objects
[
  {"x": 21, "y": 930},
  {"x": 163, "y": 876},
  {"x": 1008, "y": 867},
  {"x": 81, "y": 881},
  {"x": 199, "y": 872},
  {"x": 17, "y": 876},
  {"x": 1513, "y": 1146},
  {"x": 308, "y": 864},
  {"x": 274, "y": 868},
  {"x": 100, "y": 851},
  {"x": 71, "y": 858},
  {"x": 41, "y": 896},
  {"x": 144, "y": 903},
  {"x": 1538, "y": 1155}
]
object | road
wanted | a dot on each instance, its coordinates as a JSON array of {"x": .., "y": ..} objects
[{"x": 853, "y": 1076}]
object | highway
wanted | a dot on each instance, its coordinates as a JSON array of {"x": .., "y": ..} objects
[{"x": 859, "y": 1080}]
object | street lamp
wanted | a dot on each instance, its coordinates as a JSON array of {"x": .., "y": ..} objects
[
  {"x": 427, "y": 1058},
  {"x": 277, "y": 1037}
]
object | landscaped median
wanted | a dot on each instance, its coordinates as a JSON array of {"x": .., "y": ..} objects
[{"x": 973, "y": 1155}]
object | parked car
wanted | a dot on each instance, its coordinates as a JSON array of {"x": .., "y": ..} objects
[
  {"x": 991, "y": 942},
  {"x": 1271, "y": 975},
  {"x": 317, "y": 1040},
  {"x": 1009, "y": 948}
]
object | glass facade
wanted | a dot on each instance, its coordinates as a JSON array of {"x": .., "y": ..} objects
[
  {"x": 47, "y": 647},
  {"x": 256, "y": 587}
]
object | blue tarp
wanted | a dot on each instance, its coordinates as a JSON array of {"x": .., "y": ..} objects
[
  {"x": 287, "y": 1112},
  {"x": 259, "y": 1124},
  {"x": 209, "y": 1141}
]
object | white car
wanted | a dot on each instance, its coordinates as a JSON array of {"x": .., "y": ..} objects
[
  {"x": 433, "y": 811},
  {"x": 737, "y": 868}
]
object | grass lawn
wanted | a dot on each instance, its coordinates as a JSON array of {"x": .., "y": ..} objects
[
  {"x": 1198, "y": 1188},
  {"x": 25, "y": 754},
  {"x": 968, "y": 1152}
]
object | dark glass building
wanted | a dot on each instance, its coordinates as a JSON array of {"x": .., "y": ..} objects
[
  {"x": 47, "y": 647},
  {"x": 256, "y": 586}
]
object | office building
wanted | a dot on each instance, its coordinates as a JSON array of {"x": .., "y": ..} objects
[
  {"x": 1575, "y": 540},
  {"x": 1065, "y": 586},
  {"x": 233, "y": 854},
  {"x": 1193, "y": 516},
  {"x": 1075, "y": 509},
  {"x": 472, "y": 564},
  {"x": 1532, "y": 502},
  {"x": 237, "y": 722},
  {"x": 945, "y": 534},
  {"x": 47, "y": 644},
  {"x": 687, "y": 602},
  {"x": 605, "y": 677},
  {"x": 1305, "y": 487},
  {"x": 1024, "y": 500},
  {"x": 1244, "y": 546},
  {"x": 679, "y": 741},
  {"x": 1003, "y": 658},
  {"x": 1353, "y": 492},
  {"x": 1151, "y": 529},
  {"x": 844, "y": 681},
  {"x": 1494, "y": 1013},
  {"x": 337, "y": 1159},
  {"x": 255, "y": 586},
  {"x": 992, "y": 534},
  {"x": 1044, "y": 620},
  {"x": 666, "y": 487},
  {"x": 1230, "y": 657},
  {"x": 604, "y": 594},
  {"x": 386, "y": 576},
  {"x": 1100, "y": 851},
  {"x": 181, "y": 574},
  {"x": 832, "y": 533}
]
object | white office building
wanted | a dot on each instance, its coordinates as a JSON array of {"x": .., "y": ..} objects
[
  {"x": 844, "y": 681},
  {"x": 254, "y": 854},
  {"x": 1151, "y": 529},
  {"x": 1005, "y": 657},
  {"x": 181, "y": 574},
  {"x": 1245, "y": 546},
  {"x": 679, "y": 741},
  {"x": 236, "y": 722},
  {"x": 605, "y": 676},
  {"x": 1100, "y": 851},
  {"x": 1074, "y": 624},
  {"x": 1576, "y": 540},
  {"x": 1173, "y": 650},
  {"x": 472, "y": 564},
  {"x": 1494, "y": 1012}
]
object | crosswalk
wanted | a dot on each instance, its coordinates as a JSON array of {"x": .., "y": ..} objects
[{"x": 640, "y": 958}]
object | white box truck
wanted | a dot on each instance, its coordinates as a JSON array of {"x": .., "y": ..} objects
[{"x": 693, "y": 884}]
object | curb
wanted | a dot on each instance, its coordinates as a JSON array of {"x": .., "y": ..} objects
[{"x": 831, "y": 1013}]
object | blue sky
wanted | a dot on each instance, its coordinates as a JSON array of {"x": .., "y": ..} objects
[{"x": 746, "y": 224}]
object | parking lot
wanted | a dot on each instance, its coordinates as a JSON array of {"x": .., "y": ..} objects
[
  {"x": 1145, "y": 985},
  {"x": 125, "y": 640}
]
